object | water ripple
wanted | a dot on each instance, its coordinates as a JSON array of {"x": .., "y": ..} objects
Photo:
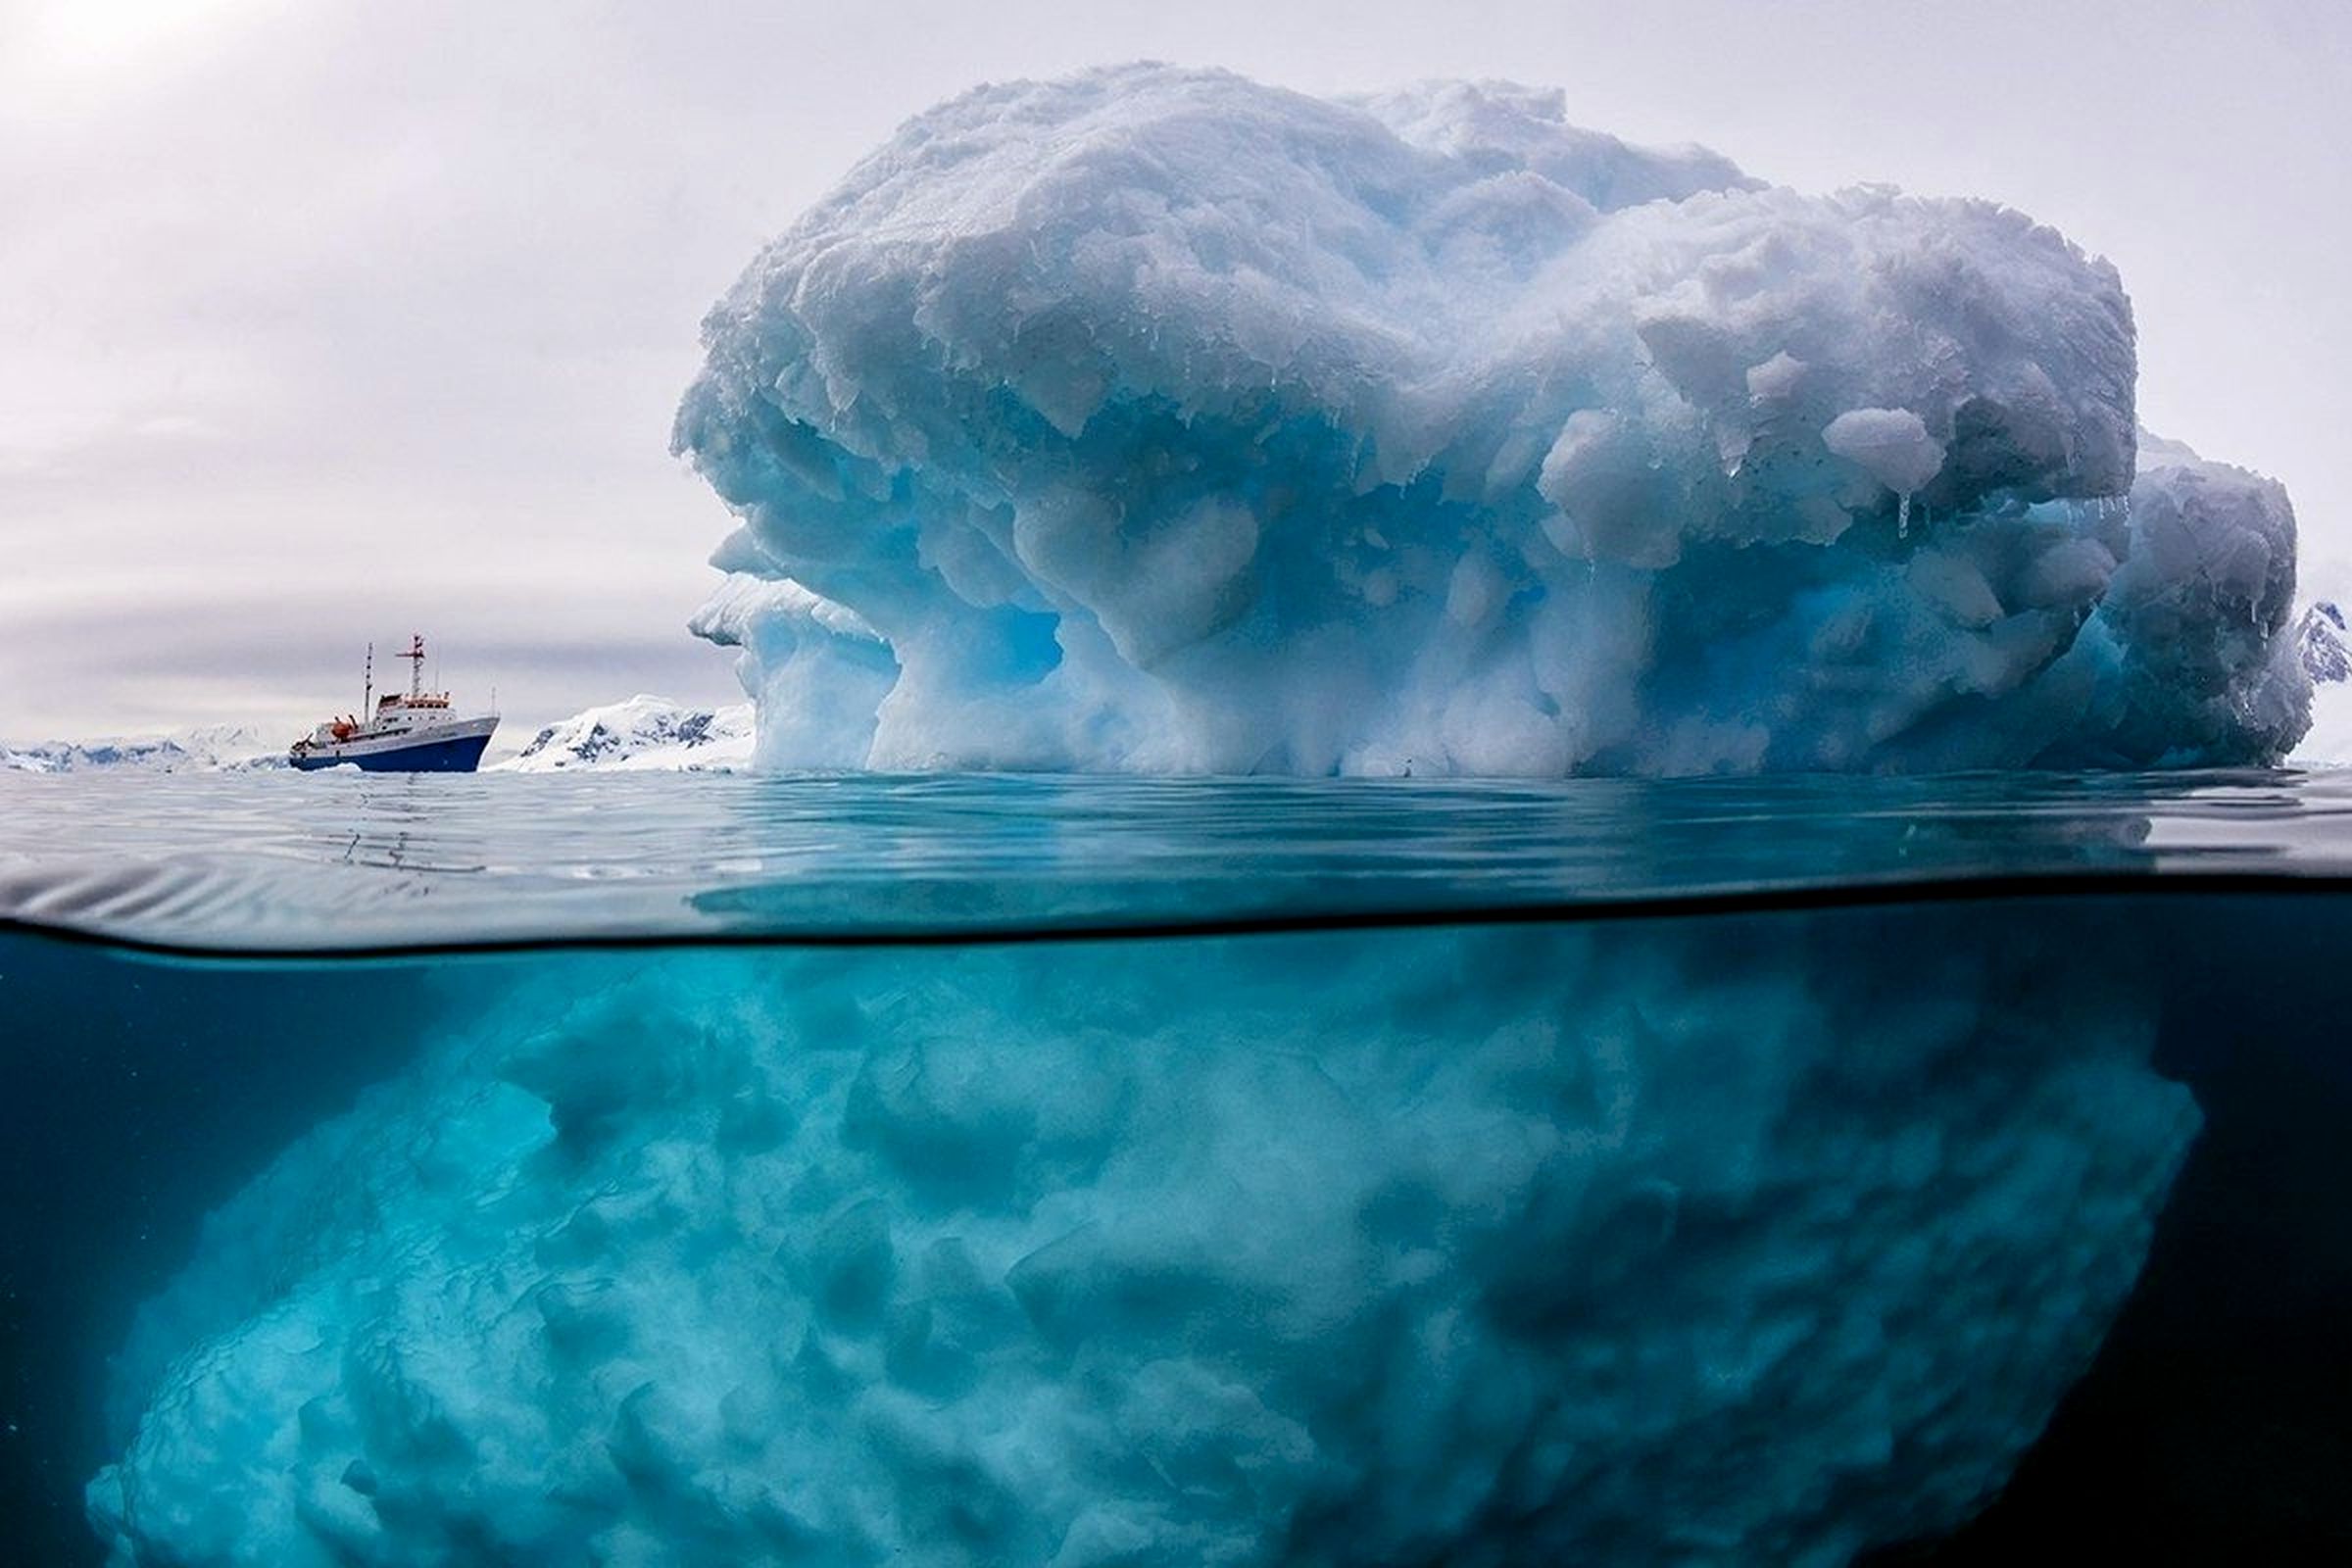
[{"x": 355, "y": 861}]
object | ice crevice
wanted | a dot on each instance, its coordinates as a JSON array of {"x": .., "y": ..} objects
[{"x": 1155, "y": 419}]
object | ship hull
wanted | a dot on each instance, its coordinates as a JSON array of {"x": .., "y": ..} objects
[{"x": 459, "y": 752}]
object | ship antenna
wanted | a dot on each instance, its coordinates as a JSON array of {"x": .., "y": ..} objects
[{"x": 367, "y": 692}]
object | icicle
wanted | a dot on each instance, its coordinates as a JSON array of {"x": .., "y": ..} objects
[{"x": 1902, "y": 515}]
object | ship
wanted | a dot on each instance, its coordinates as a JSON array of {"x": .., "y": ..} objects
[{"x": 418, "y": 733}]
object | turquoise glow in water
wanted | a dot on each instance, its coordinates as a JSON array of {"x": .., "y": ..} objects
[{"x": 963, "y": 1170}]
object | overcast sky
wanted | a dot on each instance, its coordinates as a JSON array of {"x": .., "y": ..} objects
[{"x": 325, "y": 323}]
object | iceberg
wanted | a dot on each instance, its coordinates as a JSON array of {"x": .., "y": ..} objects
[
  {"x": 818, "y": 671},
  {"x": 1743, "y": 1240},
  {"x": 1155, "y": 419}
]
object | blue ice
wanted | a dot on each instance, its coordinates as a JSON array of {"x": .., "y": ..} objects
[
  {"x": 1732, "y": 1240},
  {"x": 1153, "y": 419}
]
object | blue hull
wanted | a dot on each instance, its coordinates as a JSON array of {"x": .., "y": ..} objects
[{"x": 460, "y": 755}]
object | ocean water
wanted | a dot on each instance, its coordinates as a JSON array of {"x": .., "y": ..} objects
[{"x": 972, "y": 1169}]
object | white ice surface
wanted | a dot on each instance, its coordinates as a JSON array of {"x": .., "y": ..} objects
[{"x": 1155, "y": 419}]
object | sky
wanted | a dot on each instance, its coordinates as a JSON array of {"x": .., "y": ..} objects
[{"x": 324, "y": 323}]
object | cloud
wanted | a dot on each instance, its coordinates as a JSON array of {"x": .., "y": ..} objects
[{"x": 430, "y": 275}]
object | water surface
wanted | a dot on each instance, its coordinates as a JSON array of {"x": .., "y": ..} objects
[
  {"x": 346, "y": 860},
  {"x": 504, "y": 1169}
]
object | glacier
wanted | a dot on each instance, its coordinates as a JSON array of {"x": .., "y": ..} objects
[
  {"x": 1757, "y": 1239},
  {"x": 1155, "y": 419}
]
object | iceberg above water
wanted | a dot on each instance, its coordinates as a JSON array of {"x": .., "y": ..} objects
[
  {"x": 1723, "y": 1241},
  {"x": 817, "y": 671},
  {"x": 1153, "y": 420}
]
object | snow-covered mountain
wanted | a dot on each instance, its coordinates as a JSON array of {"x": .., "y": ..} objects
[
  {"x": 208, "y": 750},
  {"x": 2320, "y": 636},
  {"x": 2322, "y": 639},
  {"x": 643, "y": 734}
]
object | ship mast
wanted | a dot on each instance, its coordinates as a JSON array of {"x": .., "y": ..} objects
[
  {"x": 415, "y": 657},
  {"x": 368, "y": 691}
]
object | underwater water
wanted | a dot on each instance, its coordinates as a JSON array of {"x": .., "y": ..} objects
[{"x": 743, "y": 1170}]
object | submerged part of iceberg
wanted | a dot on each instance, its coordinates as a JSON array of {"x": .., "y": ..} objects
[
  {"x": 1155, "y": 419},
  {"x": 1755, "y": 1239}
]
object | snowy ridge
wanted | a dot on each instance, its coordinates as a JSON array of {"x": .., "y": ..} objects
[
  {"x": 195, "y": 751},
  {"x": 642, "y": 734},
  {"x": 2320, "y": 641},
  {"x": 1153, "y": 420}
]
